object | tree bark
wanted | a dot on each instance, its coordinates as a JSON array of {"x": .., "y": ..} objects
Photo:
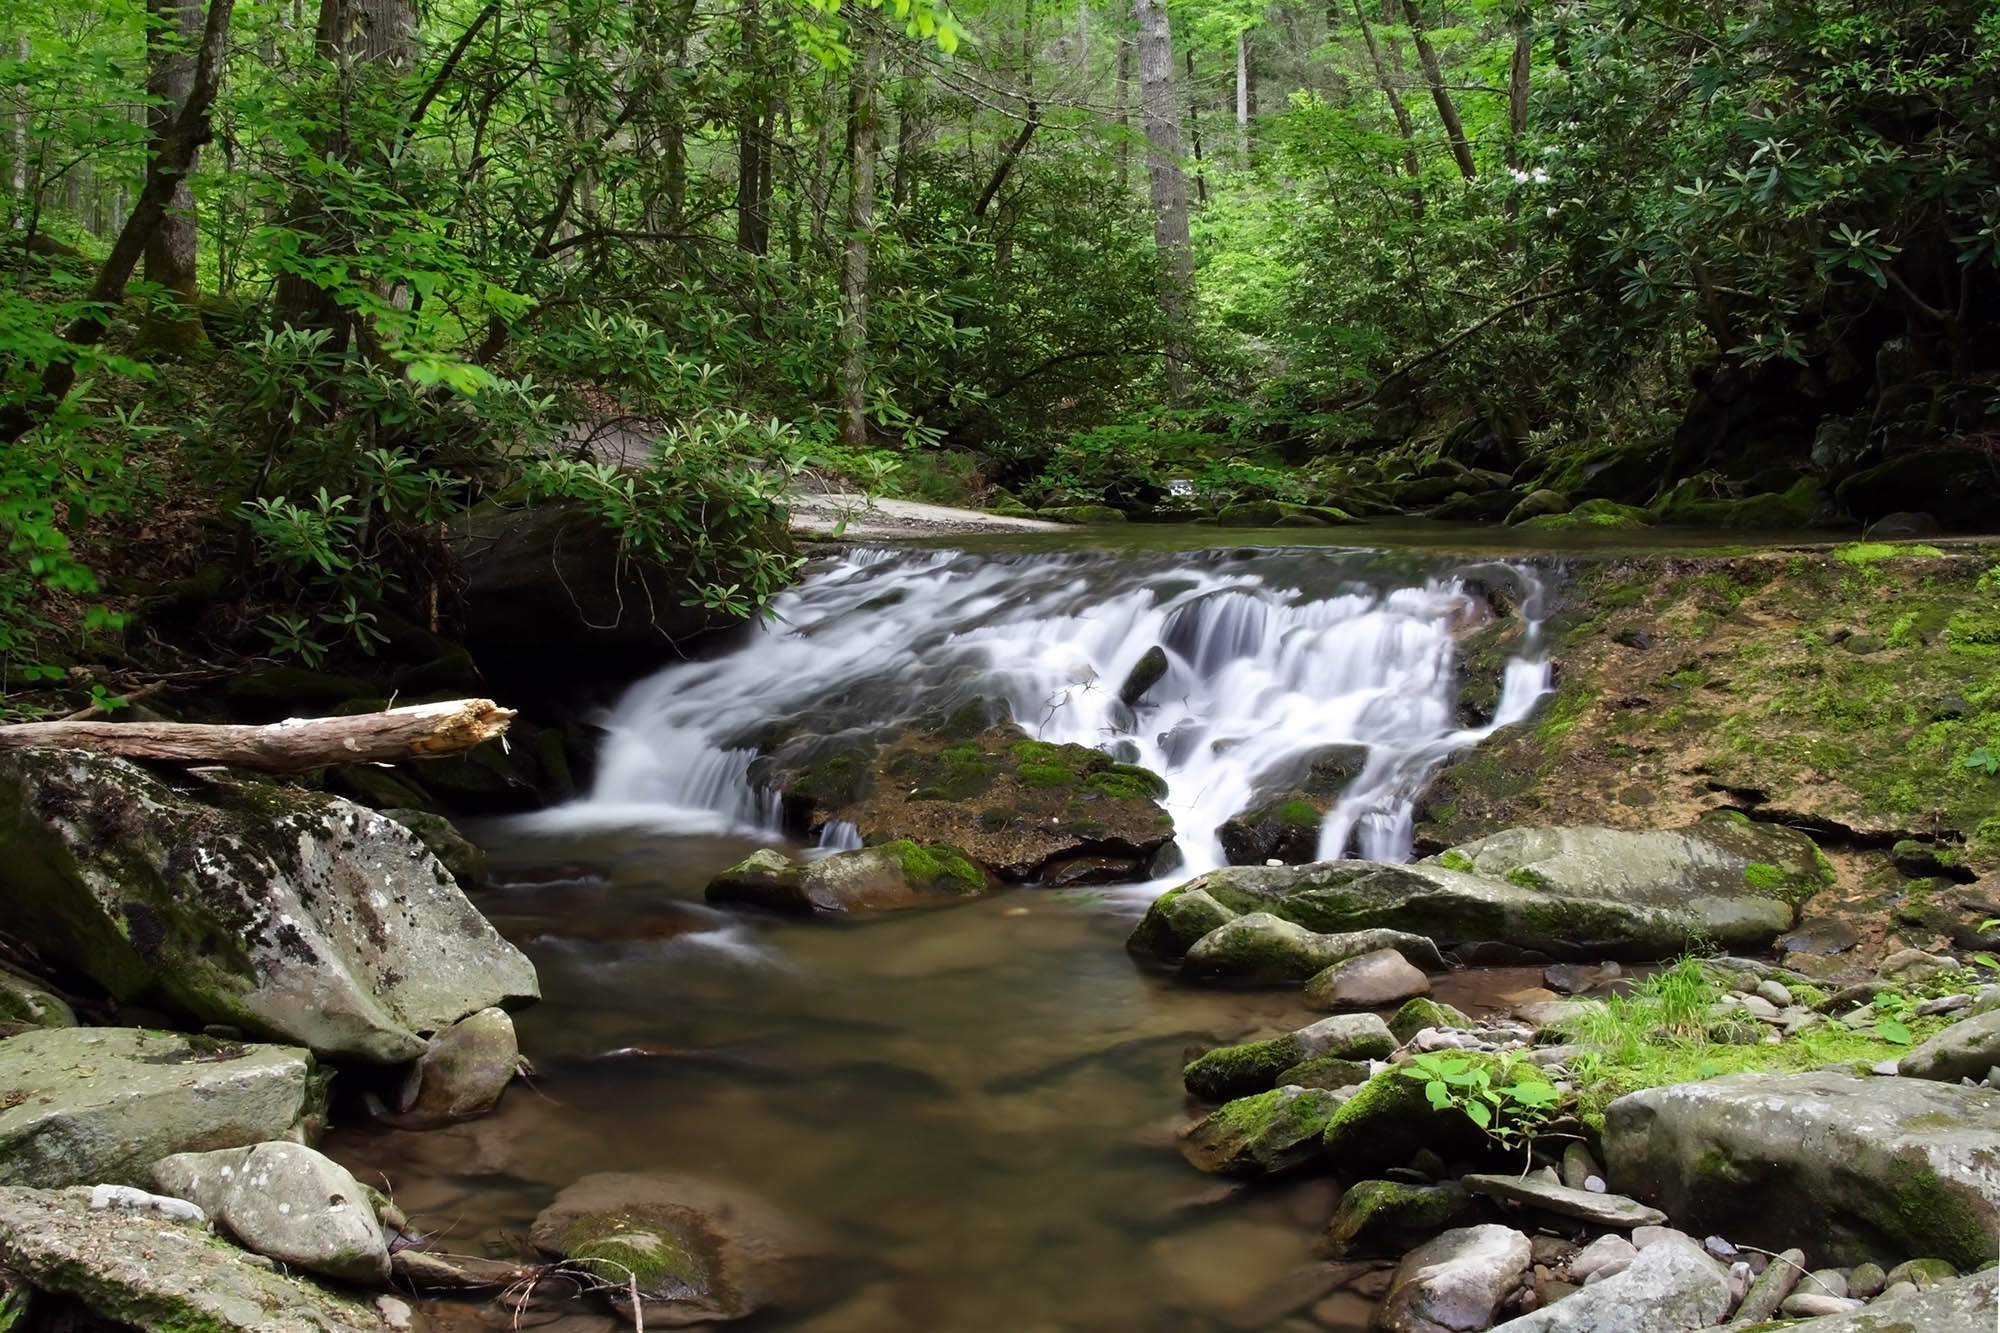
[
  {"x": 173, "y": 34},
  {"x": 1518, "y": 70},
  {"x": 422, "y": 731},
  {"x": 1124, "y": 97},
  {"x": 862, "y": 132},
  {"x": 19, "y": 154},
  {"x": 1243, "y": 93},
  {"x": 1454, "y": 128},
  {"x": 1404, "y": 125},
  {"x": 753, "y": 229},
  {"x": 1194, "y": 133},
  {"x": 1169, "y": 187}
]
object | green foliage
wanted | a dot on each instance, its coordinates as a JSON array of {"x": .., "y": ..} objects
[{"x": 1509, "y": 1107}]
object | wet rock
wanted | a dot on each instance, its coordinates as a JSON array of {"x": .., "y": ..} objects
[
  {"x": 465, "y": 1071},
  {"x": 138, "y": 1268},
  {"x": 1390, "y": 1119},
  {"x": 1262, "y": 949},
  {"x": 1852, "y": 1168},
  {"x": 1537, "y": 504},
  {"x": 1236, "y": 1071},
  {"x": 1371, "y": 981},
  {"x": 892, "y": 875},
  {"x": 699, "y": 1252},
  {"x": 1604, "y": 1210},
  {"x": 1966, "y": 1049},
  {"x": 1671, "y": 1287},
  {"x": 271, "y": 909},
  {"x": 454, "y": 851},
  {"x": 1267, "y": 1134},
  {"x": 1145, "y": 674},
  {"x": 90, "y": 1105},
  {"x": 1458, "y": 1281},
  {"x": 1175, "y": 921},
  {"x": 1282, "y": 819},
  {"x": 1424, "y": 1012},
  {"x": 1387, "y": 1216},
  {"x": 286, "y": 1202}
]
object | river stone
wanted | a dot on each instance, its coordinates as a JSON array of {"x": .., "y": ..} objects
[
  {"x": 1607, "y": 1256},
  {"x": 1423, "y": 1012},
  {"x": 1390, "y": 1119},
  {"x": 1262, "y": 949},
  {"x": 1964, "y": 1050},
  {"x": 274, "y": 910},
  {"x": 465, "y": 1071},
  {"x": 1671, "y": 1287},
  {"x": 1967, "y": 1305},
  {"x": 25, "y": 1005},
  {"x": 701, "y": 1252},
  {"x": 1175, "y": 921},
  {"x": 892, "y": 875},
  {"x": 1237, "y": 1071},
  {"x": 1852, "y": 1169},
  {"x": 1372, "y": 981},
  {"x": 1144, "y": 675},
  {"x": 286, "y": 1202},
  {"x": 91, "y": 1105},
  {"x": 1456, "y": 1282},
  {"x": 138, "y": 1268},
  {"x": 1385, "y": 1216},
  {"x": 1604, "y": 1210},
  {"x": 1920, "y": 1273},
  {"x": 1263, "y": 1135}
]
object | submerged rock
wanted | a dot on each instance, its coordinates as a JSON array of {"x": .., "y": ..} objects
[
  {"x": 1851, "y": 1169},
  {"x": 271, "y": 909},
  {"x": 1267, "y": 1134},
  {"x": 139, "y": 1268},
  {"x": 892, "y": 875},
  {"x": 91, "y": 1105},
  {"x": 700, "y": 1252},
  {"x": 286, "y": 1202},
  {"x": 1236, "y": 1071},
  {"x": 1670, "y": 1287},
  {"x": 1456, "y": 1282},
  {"x": 465, "y": 1071},
  {"x": 1385, "y": 1216}
]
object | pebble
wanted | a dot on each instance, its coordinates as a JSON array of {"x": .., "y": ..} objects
[
  {"x": 1776, "y": 992},
  {"x": 1824, "y": 1282},
  {"x": 1867, "y": 1281},
  {"x": 1740, "y": 1278},
  {"x": 1886, "y": 1068},
  {"x": 395, "y": 1313},
  {"x": 1808, "y": 1305},
  {"x": 1719, "y": 1248},
  {"x": 1595, "y": 1184},
  {"x": 1945, "y": 1004}
]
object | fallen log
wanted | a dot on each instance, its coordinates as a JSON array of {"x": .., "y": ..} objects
[{"x": 420, "y": 731}]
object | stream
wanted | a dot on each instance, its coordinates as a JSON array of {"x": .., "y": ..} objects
[{"x": 979, "y": 1101}]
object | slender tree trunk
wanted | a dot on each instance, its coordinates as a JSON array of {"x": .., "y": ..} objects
[
  {"x": 862, "y": 130},
  {"x": 1243, "y": 93},
  {"x": 1124, "y": 97},
  {"x": 909, "y": 124},
  {"x": 752, "y": 228},
  {"x": 172, "y": 35},
  {"x": 1454, "y": 128},
  {"x": 1518, "y": 70},
  {"x": 674, "y": 145},
  {"x": 1194, "y": 133},
  {"x": 1169, "y": 186},
  {"x": 1404, "y": 125},
  {"x": 18, "y": 153}
]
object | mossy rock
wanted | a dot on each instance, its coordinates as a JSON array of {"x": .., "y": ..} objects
[
  {"x": 25, "y": 1005},
  {"x": 891, "y": 875},
  {"x": 1388, "y": 1217},
  {"x": 1238, "y": 1071},
  {"x": 1605, "y": 515},
  {"x": 1175, "y": 921},
  {"x": 1391, "y": 1119},
  {"x": 1082, "y": 514},
  {"x": 1282, "y": 820},
  {"x": 1423, "y": 1012},
  {"x": 1269, "y": 1134},
  {"x": 1327, "y": 1071}
]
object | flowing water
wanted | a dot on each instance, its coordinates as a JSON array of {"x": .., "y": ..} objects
[{"x": 979, "y": 1101}]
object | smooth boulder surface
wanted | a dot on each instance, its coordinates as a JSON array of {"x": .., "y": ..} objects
[
  {"x": 700, "y": 1252},
  {"x": 137, "y": 1267},
  {"x": 1849, "y": 1169},
  {"x": 1963, "y": 1050},
  {"x": 1372, "y": 981},
  {"x": 101, "y": 1105},
  {"x": 25, "y": 1005},
  {"x": 1262, "y": 949},
  {"x": 465, "y": 1071},
  {"x": 287, "y": 1202},
  {"x": 1385, "y": 1215},
  {"x": 1964, "y": 1305},
  {"x": 892, "y": 875},
  {"x": 1262, "y": 1135},
  {"x": 1578, "y": 893},
  {"x": 1670, "y": 1287},
  {"x": 1456, "y": 1282},
  {"x": 282, "y": 912},
  {"x": 1253, "y": 1066},
  {"x": 1605, "y": 1210}
]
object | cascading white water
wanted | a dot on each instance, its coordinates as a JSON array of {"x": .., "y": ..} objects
[{"x": 1271, "y": 655}]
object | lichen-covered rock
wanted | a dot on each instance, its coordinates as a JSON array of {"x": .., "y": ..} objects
[
  {"x": 1264, "y": 950},
  {"x": 1850, "y": 1169},
  {"x": 1670, "y": 1287},
  {"x": 1455, "y": 1282},
  {"x": 891, "y": 875},
  {"x": 1424, "y": 1012},
  {"x": 140, "y": 1268},
  {"x": 24, "y": 1005},
  {"x": 94, "y": 1105},
  {"x": 699, "y": 1252},
  {"x": 285, "y": 1202},
  {"x": 1965, "y": 1305},
  {"x": 1966, "y": 1049},
  {"x": 1386, "y": 1216},
  {"x": 465, "y": 1071},
  {"x": 1264, "y": 1135},
  {"x": 278, "y": 911},
  {"x": 1390, "y": 1119},
  {"x": 454, "y": 851},
  {"x": 1237, "y": 1071}
]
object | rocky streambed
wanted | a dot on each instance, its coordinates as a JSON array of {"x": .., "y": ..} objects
[{"x": 1667, "y": 1068}]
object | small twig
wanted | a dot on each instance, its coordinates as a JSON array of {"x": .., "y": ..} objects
[{"x": 105, "y": 706}]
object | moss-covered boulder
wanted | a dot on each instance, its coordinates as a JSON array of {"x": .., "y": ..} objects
[
  {"x": 1175, "y": 921},
  {"x": 698, "y": 1251},
  {"x": 25, "y": 1005},
  {"x": 1267, "y": 1134},
  {"x": 1260, "y": 949},
  {"x": 1387, "y": 1217},
  {"x": 1326, "y": 1072},
  {"x": 138, "y": 1268},
  {"x": 1391, "y": 1119},
  {"x": 1424, "y": 1012},
  {"x": 274, "y": 910},
  {"x": 1237, "y": 1071},
  {"x": 891, "y": 875},
  {"x": 464, "y": 1072},
  {"x": 1848, "y": 1168},
  {"x": 84, "y": 1106},
  {"x": 1282, "y": 820}
]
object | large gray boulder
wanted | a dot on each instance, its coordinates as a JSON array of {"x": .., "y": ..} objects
[
  {"x": 138, "y": 1267},
  {"x": 1964, "y": 1050},
  {"x": 1456, "y": 1282},
  {"x": 1963, "y": 1305},
  {"x": 1589, "y": 893},
  {"x": 282, "y": 912},
  {"x": 1671, "y": 1287},
  {"x": 1259, "y": 948},
  {"x": 1850, "y": 1169},
  {"x": 286, "y": 1202},
  {"x": 100, "y": 1105}
]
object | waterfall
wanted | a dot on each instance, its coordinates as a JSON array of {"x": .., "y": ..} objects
[{"x": 1272, "y": 655}]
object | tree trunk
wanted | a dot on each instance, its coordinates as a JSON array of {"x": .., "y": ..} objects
[
  {"x": 172, "y": 35},
  {"x": 1124, "y": 86},
  {"x": 1454, "y": 128},
  {"x": 1243, "y": 93},
  {"x": 421, "y": 731},
  {"x": 753, "y": 235},
  {"x": 1517, "y": 84},
  {"x": 862, "y": 130},
  {"x": 674, "y": 145},
  {"x": 18, "y": 153},
  {"x": 1169, "y": 187},
  {"x": 1404, "y": 125},
  {"x": 1194, "y": 133}
]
